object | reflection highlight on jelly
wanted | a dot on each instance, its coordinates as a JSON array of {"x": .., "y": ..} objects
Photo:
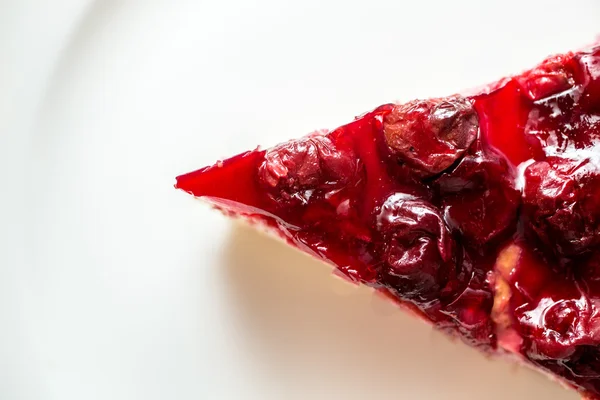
[{"x": 313, "y": 334}]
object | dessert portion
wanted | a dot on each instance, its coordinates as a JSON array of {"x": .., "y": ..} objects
[{"x": 481, "y": 213}]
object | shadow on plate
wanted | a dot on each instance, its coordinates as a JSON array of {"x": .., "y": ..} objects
[{"x": 312, "y": 334}]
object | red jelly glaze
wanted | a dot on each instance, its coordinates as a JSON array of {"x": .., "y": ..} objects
[{"x": 366, "y": 198}]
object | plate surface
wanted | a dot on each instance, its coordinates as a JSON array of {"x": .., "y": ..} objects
[{"x": 127, "y": 289}]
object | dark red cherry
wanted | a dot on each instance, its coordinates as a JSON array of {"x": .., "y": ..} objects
[
  {"x": 556, "y": 327},
  {"x": 430, "y": 135},
  {"x": 297, "y": 168},
  {"x": 479, "y": 199},
  {"x": 562, "y": 203},
  {"x": 417, "y": 247},
  {"x": 554, "y": 75}
]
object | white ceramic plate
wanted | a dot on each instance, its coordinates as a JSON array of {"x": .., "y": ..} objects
[{"x": 124, "y": 288}]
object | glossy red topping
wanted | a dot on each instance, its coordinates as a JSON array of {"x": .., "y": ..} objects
[{"x": 421, "y": 201}]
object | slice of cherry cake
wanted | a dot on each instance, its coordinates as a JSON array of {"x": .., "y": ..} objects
[{"x": 480, "y": 213}]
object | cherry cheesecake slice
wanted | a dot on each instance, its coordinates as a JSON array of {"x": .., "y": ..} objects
[{"x": 481, "y": 213}]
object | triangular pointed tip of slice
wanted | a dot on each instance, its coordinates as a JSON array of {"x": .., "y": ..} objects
[{"x": 233, "y": 179}]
